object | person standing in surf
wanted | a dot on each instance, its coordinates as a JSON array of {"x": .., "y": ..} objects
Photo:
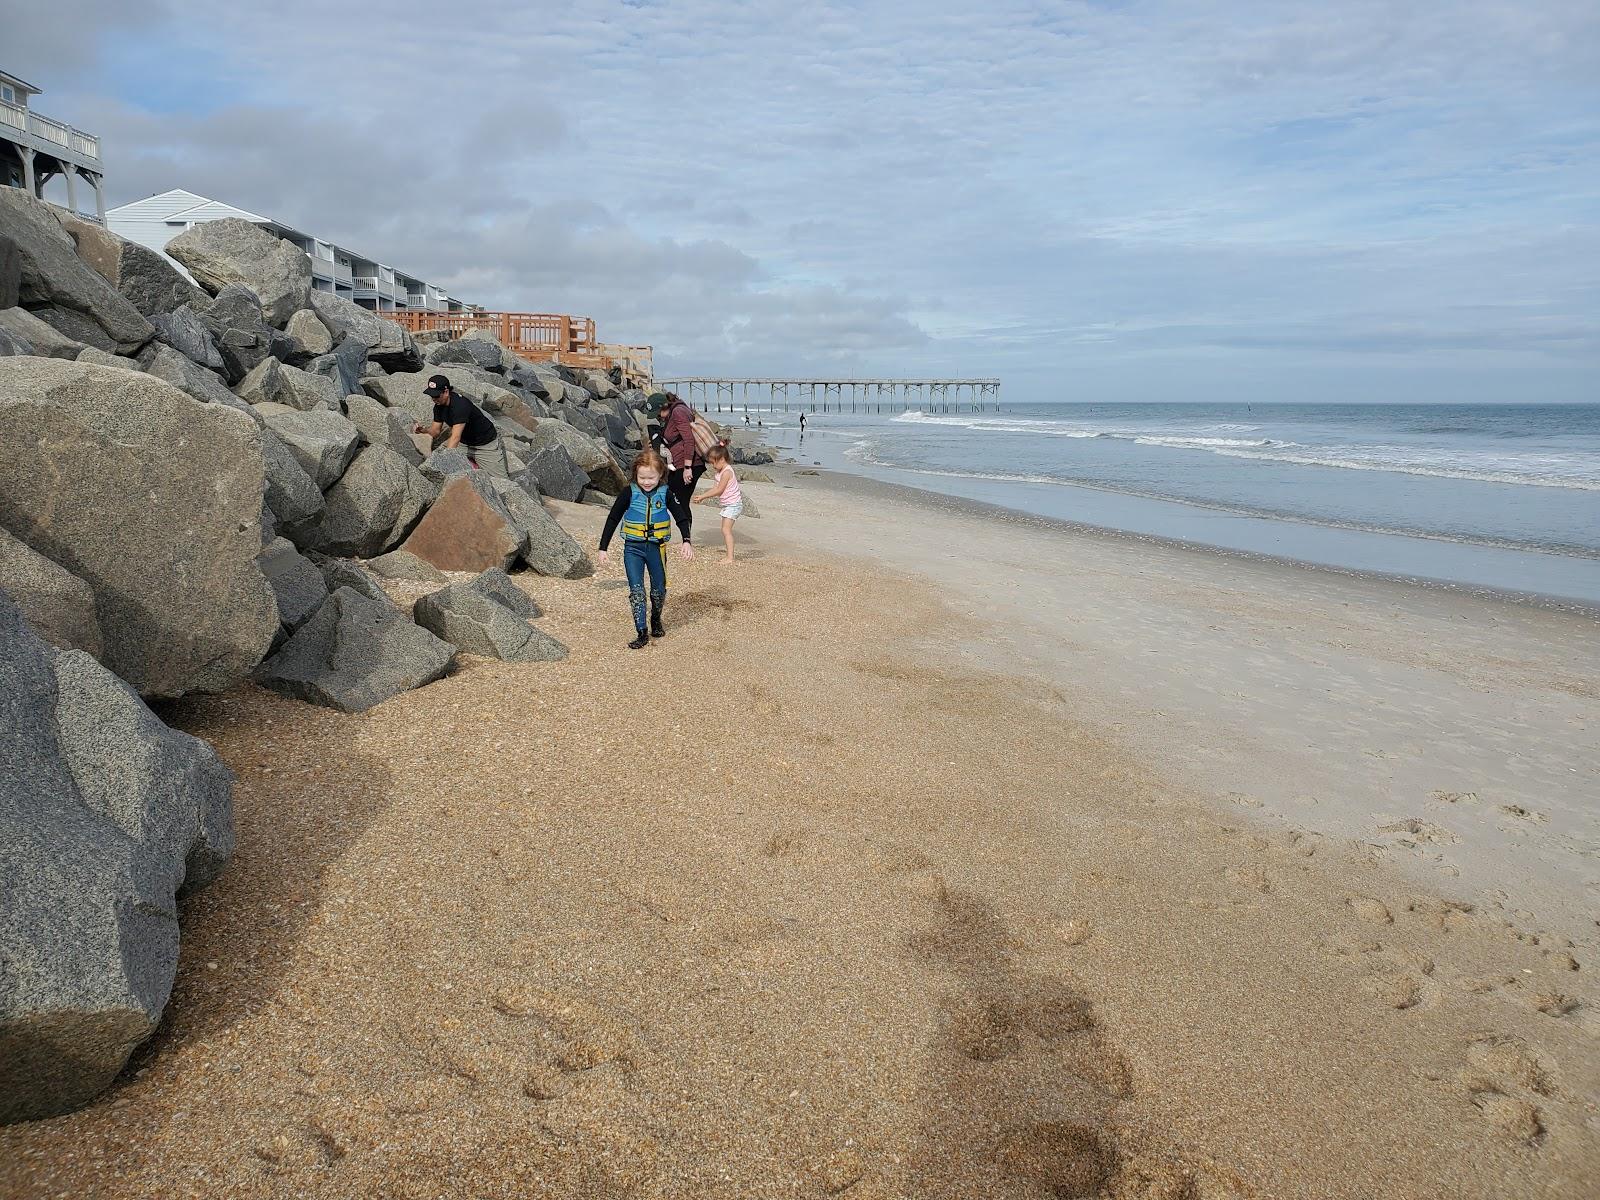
[{"x": 646, "y": 511}]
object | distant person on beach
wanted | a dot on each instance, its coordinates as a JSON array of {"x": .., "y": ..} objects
[
  {"x": 467, "y": 427},
  {"x": 677, "y": 440},
  {"x": 802, "y": 424},
  {"x": 643, "y": 511},
  {"x": 727, "y": 494}
]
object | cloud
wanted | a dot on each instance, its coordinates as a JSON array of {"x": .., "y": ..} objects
[{"x": 1169, "y": 190}]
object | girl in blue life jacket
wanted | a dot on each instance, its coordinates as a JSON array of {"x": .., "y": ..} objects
[{"x": 643, "y": 511}]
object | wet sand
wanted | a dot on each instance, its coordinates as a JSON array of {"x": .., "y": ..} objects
[{"x": 917, "y": 903}]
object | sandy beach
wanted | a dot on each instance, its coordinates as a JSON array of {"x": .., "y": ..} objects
[{"x": 993, "y": 859}]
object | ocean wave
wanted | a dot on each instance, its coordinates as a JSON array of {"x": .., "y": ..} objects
[
  {"x": 1373, "y": 459},
  {"x": 1201, "y": 443},
  {"x": 1575, "y": 472},
  {"x": 865, "y": 453}
]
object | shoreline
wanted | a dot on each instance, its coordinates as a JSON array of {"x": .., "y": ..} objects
[
  {"x": 987, "y": 508},
  {"x": 1520, "y": 565},
  {"x": 1334, "y": 703},
  {"x": 897, "y": 914}
]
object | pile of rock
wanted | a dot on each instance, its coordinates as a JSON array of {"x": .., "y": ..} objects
[
  {"x": 106, "y": 818},
  {"x": 193, "y": 475}
]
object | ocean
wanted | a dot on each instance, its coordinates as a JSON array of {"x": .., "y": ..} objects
[{"x": 1499, "y": 497}]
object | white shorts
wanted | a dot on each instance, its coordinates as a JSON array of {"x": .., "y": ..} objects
[{"x": 733, "y": 511}]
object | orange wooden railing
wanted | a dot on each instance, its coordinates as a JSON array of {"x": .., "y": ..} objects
[
  {"x": 529, "y": 334},
  {"x": 537, "y": 337}
]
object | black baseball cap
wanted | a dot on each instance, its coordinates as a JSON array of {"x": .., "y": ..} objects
[{"x": 436, "y": 385}]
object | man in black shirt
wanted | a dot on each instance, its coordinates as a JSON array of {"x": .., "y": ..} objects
[{"x": 466, "y": 426}]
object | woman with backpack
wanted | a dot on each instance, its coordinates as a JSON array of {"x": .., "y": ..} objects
[{"x": 679, "y": 441}]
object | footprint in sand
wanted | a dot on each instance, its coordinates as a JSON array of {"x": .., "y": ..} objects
[
  {"x": 1369, "y": 908},
  {"x": 1251, "y": 878},
  {"x": 1442, "y": 915},
  {"x": 1502, "y": 1077},
  {"x": 1029, "y": 1041},
  {"x": 1068, "y": 1159},
  {"x": 1521, "y": 813},
  {"x": 1417, "y": 831},
  {"x": 588, "y": 1035}
]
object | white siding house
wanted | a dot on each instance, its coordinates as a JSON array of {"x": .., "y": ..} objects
[{"x": 156, "y": 220}]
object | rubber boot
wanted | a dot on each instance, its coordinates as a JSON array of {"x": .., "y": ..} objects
[
  {"x": 640, "y": 642},
  {"x": 657, "y": 629}
]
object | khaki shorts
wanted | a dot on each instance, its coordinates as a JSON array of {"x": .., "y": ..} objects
[{"x": 490, "y": 457}]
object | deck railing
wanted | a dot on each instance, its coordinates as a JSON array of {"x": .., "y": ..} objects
[
  {"x": 538, "y": 337},
  {"x": 55, "y": 132}
]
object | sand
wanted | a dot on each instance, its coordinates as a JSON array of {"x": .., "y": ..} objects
[{"x": 912, "y": 901}]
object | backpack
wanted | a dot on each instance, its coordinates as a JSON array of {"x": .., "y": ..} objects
[{"x": 705, "y": 437}]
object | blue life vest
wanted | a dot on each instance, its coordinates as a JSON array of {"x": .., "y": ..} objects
[{"x": 647, "y": 518}]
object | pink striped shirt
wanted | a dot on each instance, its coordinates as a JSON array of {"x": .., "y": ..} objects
[{"x": 731, "y": 494}]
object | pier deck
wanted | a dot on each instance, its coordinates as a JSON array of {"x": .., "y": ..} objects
[{"x": 770, "y": 394}]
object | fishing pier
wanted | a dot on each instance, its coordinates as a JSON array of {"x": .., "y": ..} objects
[{"x": 836, "y": 395}]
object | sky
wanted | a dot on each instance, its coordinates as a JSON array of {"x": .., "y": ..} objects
[{"x": 1109, "y": 201}]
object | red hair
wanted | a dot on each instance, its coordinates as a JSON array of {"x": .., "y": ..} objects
[{"x": 647, "y": 458}]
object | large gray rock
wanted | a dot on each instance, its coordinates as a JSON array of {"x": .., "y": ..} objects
[
  {"x": 291, "y": 494},
  {"x": 478, "y": 622},
  {"x": 613, "y": 412},
  {"x": 154, "y": 501},
  {"x": 185, "y": 330},
  {"x": 58, "y": 604},
  {"x": 443, "y": 463},
  {"x": 580, "y": 418},
  {"x": 402, "y": 564},
  {"x": 145, "y": 278},
  {"x": 387, "y": 344},
  {"x": 593, "y": 459},
  {"x": 167, "y": 364},
  {"x": 346, "y": 365},
  {"x": 372, "y": 507},
  {"x": 599, "y": 384},
  {"x": 242, "y": 334},
  {"x": 341, "y": 572},
  {"x": 52, "y": 279},
  {"x": 322, "y": 441},
  {"x": 544, "y": 381},
  {"x": 101, "y": 359},
  {"x": 12, "y": 345},
  {"x": 307, "y": 329},
  {"x": 550, "y": 471},
  {"x": 496, "y": 584},
  {"x": 106, "y": 817},
  {"x": 296, "y": 582},
  {"x": 482, "y": 352},
  {"x": 273, "y": 382},
  {"x": 219, "y": 253},
  {"x": 10, "y": 272},
  {"x": 42, "y": 340},
  {"x": 546, "y": 547},
  {"x": 380, "y": 426},
  {"x": 355, "y": 653}
]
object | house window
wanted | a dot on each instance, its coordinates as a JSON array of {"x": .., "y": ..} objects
[{"x": 7, "y": 93}]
